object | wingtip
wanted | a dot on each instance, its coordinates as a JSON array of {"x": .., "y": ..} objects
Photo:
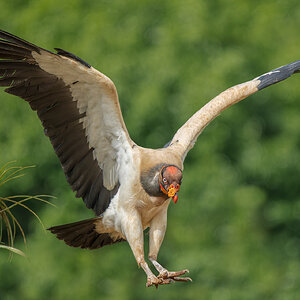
[
  {"x": 17, "y": 40},
  {"x": 278, "y": 74}
]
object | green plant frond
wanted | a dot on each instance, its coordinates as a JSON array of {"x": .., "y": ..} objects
[
  {"x": 5, "y": 165},
  {"x": 1, "y": 228},
  {"x": 37, "y": 197},
  {"x": 16, "y": 222},
  {"x": 10, "y": 178},
  {"x": 13, "y": 225},
  {"x": 9, "y": 231},
  {"x": 14, "y": 250},
  {"x": 9, "y": 222},
  {"x": 25, "y": 198},
  {"x": 23, "y": 205},
  {"x": 5, "y": 176},
  {"x": 4, "y": 171},
  {"x": 7, "y": 219}
]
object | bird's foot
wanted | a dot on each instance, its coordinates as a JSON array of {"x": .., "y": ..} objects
[
  {"x": 156, "y": 281},
  {"x": 174, "y": 276}
]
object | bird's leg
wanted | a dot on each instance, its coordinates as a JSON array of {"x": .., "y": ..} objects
[
  {"x": 156, "y": 235},
  {"x": 133, "y": 230}
]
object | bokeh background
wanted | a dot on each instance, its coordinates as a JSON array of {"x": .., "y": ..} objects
[{"x": 236, "y": 226}]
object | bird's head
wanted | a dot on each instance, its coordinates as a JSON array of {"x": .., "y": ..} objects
[{"x": 170, "y": 178}]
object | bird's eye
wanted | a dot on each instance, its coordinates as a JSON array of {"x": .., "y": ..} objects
[{"x": 164, "y": 180}]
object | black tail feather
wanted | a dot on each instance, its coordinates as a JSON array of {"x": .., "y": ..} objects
[{"x": 82, "y": 234}]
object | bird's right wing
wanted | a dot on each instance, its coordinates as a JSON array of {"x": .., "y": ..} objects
[
  {"x": 186, "y": 136},
  {"x": 80, "y": 112}
]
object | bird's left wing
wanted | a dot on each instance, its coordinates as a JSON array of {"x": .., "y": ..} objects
[
  {"x": 186, "y": 136},
  {"x": 80, "y": 112}
]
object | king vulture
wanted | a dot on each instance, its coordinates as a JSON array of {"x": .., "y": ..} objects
[{"x": 127, "y": 186}]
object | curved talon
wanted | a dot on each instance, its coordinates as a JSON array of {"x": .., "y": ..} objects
[{"x": 186, "y": 279}]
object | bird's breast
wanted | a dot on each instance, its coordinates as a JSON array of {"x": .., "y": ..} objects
[{"x": 150, "y": 208}]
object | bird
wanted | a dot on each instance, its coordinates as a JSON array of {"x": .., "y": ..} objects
[{"x": 128, "y": 187}]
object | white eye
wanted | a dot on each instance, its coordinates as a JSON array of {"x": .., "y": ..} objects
[{"x": 164, "y": 180}]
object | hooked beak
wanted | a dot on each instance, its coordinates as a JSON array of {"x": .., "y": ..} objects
[{"x": 173, "y": 192}]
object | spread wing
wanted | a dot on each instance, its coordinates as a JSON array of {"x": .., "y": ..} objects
[
  {"x": 186, "y": 136},
  {"x": 80, "y": 111}
]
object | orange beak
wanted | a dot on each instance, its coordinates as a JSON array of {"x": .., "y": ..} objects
[{"x": 172, "y": 192}]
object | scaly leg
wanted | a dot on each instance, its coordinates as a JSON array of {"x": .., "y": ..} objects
[
  {"x": 156, "y": 235},
  {"x": 133, "y": 231}
]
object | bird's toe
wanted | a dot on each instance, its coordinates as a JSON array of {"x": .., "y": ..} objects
[{"x": 174, "y": 276}]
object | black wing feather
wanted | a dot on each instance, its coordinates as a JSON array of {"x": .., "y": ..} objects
[
  {"x": 278, "y": 74},
  {"x": 55, "y": 106},
  {"x": 71, "y": 55}
]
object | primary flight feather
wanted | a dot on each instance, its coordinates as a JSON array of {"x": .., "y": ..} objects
[{"x": 128, "y": 187}]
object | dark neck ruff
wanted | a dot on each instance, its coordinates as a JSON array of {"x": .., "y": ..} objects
[{"x": 150, "y": 181}]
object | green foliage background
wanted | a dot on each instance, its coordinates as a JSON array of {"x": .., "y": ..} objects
[{"x": 236, "y": 225}]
